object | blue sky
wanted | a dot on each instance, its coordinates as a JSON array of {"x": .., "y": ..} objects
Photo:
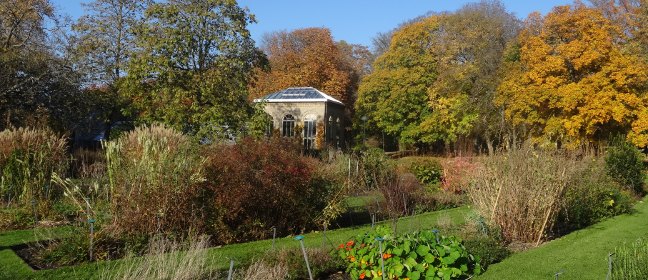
[{"x": 355, "y": 21}]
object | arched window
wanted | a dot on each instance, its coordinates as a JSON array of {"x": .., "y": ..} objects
[{"x": 288, "y": 126}]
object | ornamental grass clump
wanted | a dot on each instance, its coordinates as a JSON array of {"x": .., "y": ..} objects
[
  {"x": 155, "y": 174},
  {"x": 28, "y": 158},
  {"x": 631, "y": 261},
  {"x": 166, "y": 259},
  {"x": 418, "y": 255}
]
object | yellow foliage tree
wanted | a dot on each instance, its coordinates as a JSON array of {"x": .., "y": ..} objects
[{"x": 574, "y": 83}]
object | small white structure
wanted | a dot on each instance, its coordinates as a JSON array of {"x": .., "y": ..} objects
[{"x": 307, "y": 107}]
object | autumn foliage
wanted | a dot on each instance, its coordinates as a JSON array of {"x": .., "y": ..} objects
[
  {"x": 305, "y": 57},
  {"x": 263, "y": 184},
  {"x": 574, "y": 82}
]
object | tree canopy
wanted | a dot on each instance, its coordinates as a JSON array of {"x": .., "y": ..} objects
[
  {"x": 39, "y": 86},
  {"x": 474, "y": 78},
  {"x": 574, "y": 82},
  {"x": 307, "y": 57},
  {"x": 437, "y": 79},
  {"x": 192, "y": 66}
]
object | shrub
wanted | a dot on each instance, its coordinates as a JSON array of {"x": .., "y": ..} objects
[
  {"x": 400, "y": 194},
  {"x": 259, "y": 184},
  {"x": 591, "y": 197},
  {"x": 457, "y": 173},
  {"x": 15, "y": 218},
  {"x": 530, "y": 194},
  {"x": 426, "y": 200},
  {"x": 65, "y": 211},
  {"x": 428, "y": 171},
  {"x": 623, "y": 163},
  {"x": 28, "y": 157},
  {"x": 403, "y": 195},
  {"x": 488, "y": 249},
  {"x": 520, "y": 192},
  {"x": 155, "y": 175},
  {"x": 71, "y": 250},
  {"x": 375, "y": 168},
  {"x": 423, "y": 254}
]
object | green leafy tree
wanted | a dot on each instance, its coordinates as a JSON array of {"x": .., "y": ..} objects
[
  {"x": 192, "y": 66},
  {"x": 394, "y": 96},
  {"x": 104, "y": 40},
  {"x": 472, "y": 45},
  {"x": 437, "y": 80}
]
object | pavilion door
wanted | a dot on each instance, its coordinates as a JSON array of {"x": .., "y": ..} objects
[{"x": 309, "y": 135}]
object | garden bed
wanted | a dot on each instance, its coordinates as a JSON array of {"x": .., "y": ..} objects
[
  {"x": 28, "y": 252},
  {"x": 12, "y": 266}
]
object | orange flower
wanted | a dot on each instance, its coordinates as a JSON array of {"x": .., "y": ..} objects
[
  {"x": 352, "y": 259},
  {"x": 350, "y": 243},
  {"x": 362, "y": 275},
  {"x": 386, "y": 256},
  {"x": 341, "y": 246}
]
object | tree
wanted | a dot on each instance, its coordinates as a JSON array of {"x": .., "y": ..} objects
[
  {"x": 382, "y": 40},
  {"x": 192, "y": 66},
  {"x": 39, "y": 86},
  {"x": 394, "y": 98},
  {"x": 106, "y": 38},
  {"x": 358, "y": 60},
  {"x": 104, "y": 42},
  {"x": 575, "y": 83},
  {"x": 472, "y": 44},
  {"x": 306, "y": 57},
  {"x": 437, "y": 80}
]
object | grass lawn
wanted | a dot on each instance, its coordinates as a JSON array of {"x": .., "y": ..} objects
[
  {"x": 17, "y": 237},
  {"x": 579, "y": 255},
  {"x": 362, "y": 201},
  {"x": 12, "y": 267}
]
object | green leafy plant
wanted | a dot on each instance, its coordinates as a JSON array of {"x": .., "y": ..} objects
[
  {"x": 428, "y": 171},
  {"x": 623, "y": 162},
  {"x": 592, "y": 196},
  {"x": 489, "y": 249},
  {"x": 15, "y": 218},
  {"x": 376, "y": 167},
  {"x": 419, "y": 255}
]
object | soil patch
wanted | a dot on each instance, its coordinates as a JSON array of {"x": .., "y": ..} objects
[{"x": 29, "y": 254}]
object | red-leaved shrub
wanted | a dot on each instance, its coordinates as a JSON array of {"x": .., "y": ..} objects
[
  {"x": 456, "y": 173},
  {"x": 260, "y": 184}
]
